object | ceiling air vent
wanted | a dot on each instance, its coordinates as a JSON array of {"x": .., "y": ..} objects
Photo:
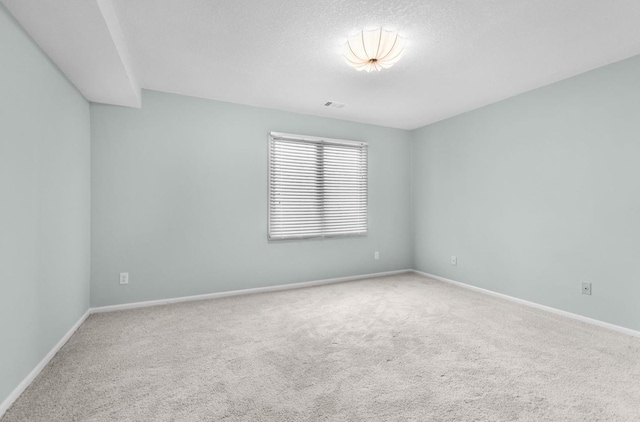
[{"x": 334, "y": 104}]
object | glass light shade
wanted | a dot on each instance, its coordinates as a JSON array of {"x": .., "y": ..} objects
[{"x": 374, "y": 49}]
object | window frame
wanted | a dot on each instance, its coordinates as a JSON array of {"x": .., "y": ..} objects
[{"x": 318, "y": 140}]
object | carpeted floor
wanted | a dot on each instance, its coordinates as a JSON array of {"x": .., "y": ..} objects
[{"x": 401, "y": 348}]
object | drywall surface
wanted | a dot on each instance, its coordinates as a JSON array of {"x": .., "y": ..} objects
[
  {"x": 45, "y": 200},
  {"x": 537, "y": 194},
  {"x": 179, "y": 201}
]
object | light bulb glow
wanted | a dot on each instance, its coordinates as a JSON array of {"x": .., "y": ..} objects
[{"x": 374, "y": 49}]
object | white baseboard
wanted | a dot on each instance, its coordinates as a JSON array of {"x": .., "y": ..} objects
[
  {"x": 279, "y": 287},
  {"x": 6, "y": 404},
  {"x": 588, "y": 320}
]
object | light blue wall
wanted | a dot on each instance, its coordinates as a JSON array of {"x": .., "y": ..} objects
[
  {"x": 539, "y": 193},
  {"x": 179, "y": 200},
  {"x": 44, "y": 205}
]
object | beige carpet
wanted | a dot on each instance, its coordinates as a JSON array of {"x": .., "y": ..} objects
[{"x": 402, "y": 348}]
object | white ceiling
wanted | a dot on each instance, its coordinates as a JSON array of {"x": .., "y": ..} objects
[{"x": 282, "y": 54}]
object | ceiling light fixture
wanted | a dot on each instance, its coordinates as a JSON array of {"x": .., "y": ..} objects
[{"x": 373, "y": 49}]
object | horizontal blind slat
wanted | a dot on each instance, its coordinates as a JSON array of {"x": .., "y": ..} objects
[{"x": 317, "y": 188}]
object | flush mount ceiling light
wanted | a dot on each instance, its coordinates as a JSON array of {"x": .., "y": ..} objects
[{"x": 373, "y": 49}]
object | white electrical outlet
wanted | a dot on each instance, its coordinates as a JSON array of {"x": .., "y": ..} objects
[
  {"x": 124, "y": 278},
  {"x": 376, "y": 255},
  {"x": 454, "y": 260},
  {"x": 586, "y": 289}
]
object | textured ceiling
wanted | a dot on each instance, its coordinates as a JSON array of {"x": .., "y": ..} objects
[{"x": 460, "y": 55}]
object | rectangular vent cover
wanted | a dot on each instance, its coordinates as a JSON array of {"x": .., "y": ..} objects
[{"x": 334, "y": 104}]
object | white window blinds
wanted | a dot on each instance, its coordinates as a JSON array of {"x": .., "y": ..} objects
[{"x": 317, "y": 187}]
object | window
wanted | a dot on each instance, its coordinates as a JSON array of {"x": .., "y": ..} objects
[{"x": 317, "y": 187}]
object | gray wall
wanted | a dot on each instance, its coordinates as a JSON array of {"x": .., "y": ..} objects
[
  {"x": 179, "y": 200},
  {"x": 538, "y": 193},
  {"x": 44, "y": 208}
]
